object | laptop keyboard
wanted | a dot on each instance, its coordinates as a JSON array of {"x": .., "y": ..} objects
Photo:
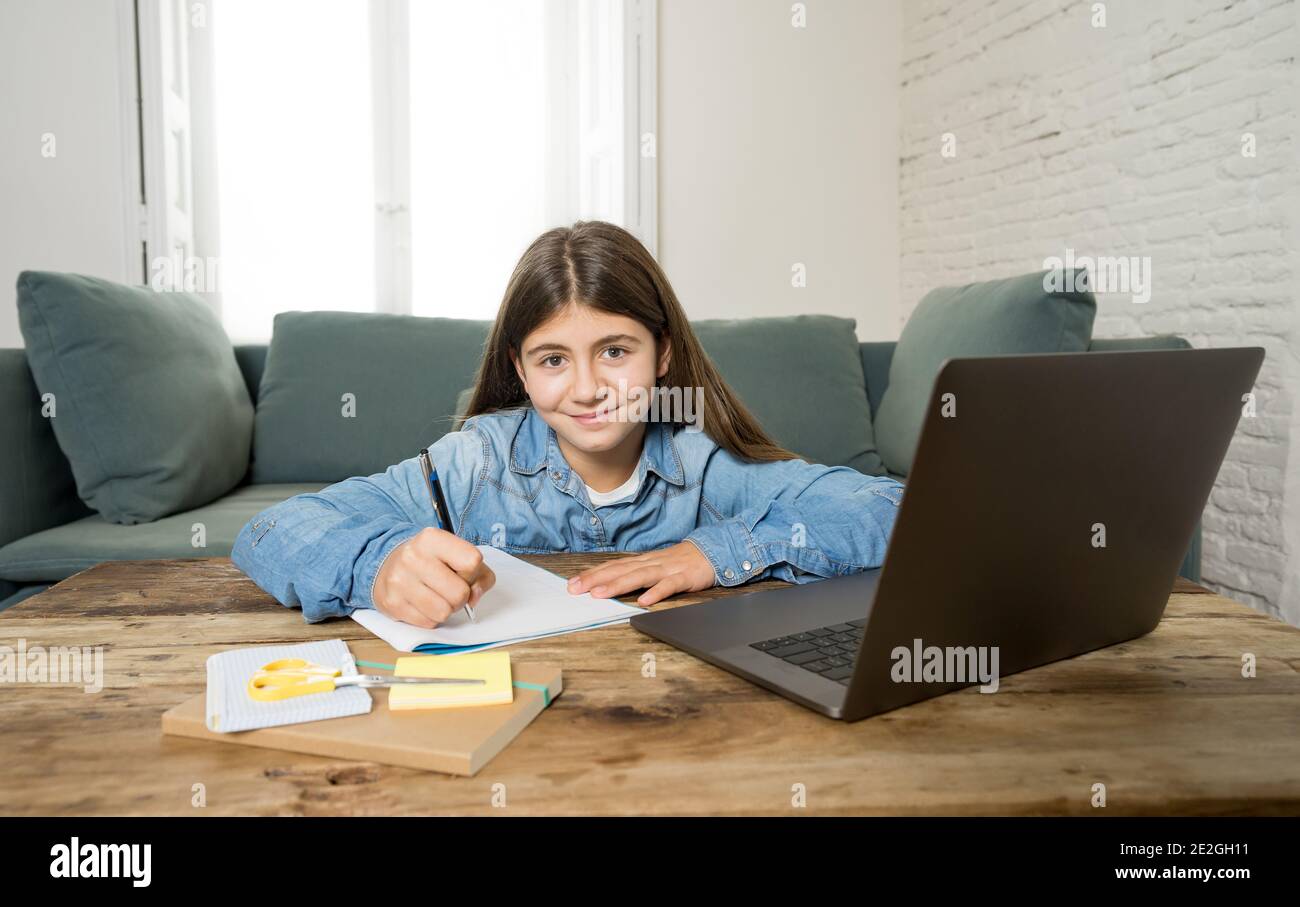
[{"x": 828, "y": 651}]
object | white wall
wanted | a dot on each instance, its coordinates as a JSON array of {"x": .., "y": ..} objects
[
  {"x": 776, "y": 145},
  {"x": 1126, "y": 140},
  {"x": 1290, "y": 598},
  {"x": 59, "y": 70},
  {"x": 779, "y": 145}
]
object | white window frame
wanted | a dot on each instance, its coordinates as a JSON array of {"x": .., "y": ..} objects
[
  {"x": 390, "y": 55},
  {"x": 641, "y": 49},
  {"x": 135, "y": 217},
  {"x": 152, "y": 110}
]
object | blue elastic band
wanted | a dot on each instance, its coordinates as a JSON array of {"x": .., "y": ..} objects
[{"x": 545, "y": 691}]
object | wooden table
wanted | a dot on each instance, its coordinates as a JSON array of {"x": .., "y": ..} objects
[{"x": 1166, "y": 722}]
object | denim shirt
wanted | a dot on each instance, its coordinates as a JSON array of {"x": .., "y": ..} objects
[{"x": 508, "y": 485}]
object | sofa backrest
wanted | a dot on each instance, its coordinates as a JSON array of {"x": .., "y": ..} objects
[
  {"x": 38, "y": 491},
  {"x": 876, "y": 356},
  {"x": 801, "y": 375}
]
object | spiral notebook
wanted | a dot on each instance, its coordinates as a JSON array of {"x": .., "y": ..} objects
[{"x": 526, "y": 603}]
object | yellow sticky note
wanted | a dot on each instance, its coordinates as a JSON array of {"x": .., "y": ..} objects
[{"x": 494, "y": 667}]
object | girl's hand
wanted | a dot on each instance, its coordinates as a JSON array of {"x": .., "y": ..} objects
[
  {"x": 679, "y": 568},
  {"x": 429, "y": 576}
]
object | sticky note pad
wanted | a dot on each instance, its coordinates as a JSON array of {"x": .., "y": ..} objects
[{"x": 494, "y": 667}]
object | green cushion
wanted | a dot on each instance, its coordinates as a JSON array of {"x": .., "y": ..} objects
[
  {"x": 997, "y": 317},
  {"x": 151, "y": 408},
  {"x": 801, "y": 376},
  {"x": 57, "y": 553},
  {"x": 402, "y": 371}
]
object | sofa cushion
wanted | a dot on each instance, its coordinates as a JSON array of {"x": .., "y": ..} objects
[
  {"x": 801, "y": 376},
  {"x": 349, "y": 394},
  {"x": 57, "y": 553},
  {"x": 997, "y": 317},
  {"x": 150, "y": 407}
]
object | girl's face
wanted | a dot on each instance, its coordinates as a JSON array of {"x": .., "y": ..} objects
[{"x": 571, "y": 367}]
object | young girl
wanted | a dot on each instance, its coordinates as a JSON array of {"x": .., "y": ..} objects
[{"x": 560, "y": 451}]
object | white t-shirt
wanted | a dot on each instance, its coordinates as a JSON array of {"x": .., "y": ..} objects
[{"x": 601, "y": 498}]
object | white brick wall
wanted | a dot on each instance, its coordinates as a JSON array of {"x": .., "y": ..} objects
[{"x": 1127, "y": 140}]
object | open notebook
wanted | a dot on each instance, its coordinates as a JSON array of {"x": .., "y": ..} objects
[{"x": 526, "y": 603}]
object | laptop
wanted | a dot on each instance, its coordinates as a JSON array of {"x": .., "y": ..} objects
[{"x": 1048, "y": 510}]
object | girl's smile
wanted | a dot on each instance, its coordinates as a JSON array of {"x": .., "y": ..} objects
[{"x": 594, "y": 419}]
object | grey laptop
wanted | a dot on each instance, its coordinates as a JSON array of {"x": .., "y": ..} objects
[{"x": 1045, "y": 516}]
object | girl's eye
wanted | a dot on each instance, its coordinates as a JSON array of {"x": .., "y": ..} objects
[{"x": 556, "y": 356}]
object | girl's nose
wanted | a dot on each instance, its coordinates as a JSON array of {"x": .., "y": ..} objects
[{"x": 585, "y": 386}]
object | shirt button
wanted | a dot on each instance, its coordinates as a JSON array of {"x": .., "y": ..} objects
[
  {"x": 593, "y": 521},
  {"x": 555, "y": 475},
  {"x": 746, "y": 565},
  {"x": 728, "y": 573}
]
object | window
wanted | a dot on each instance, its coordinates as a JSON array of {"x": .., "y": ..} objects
[
  {"x": 478, "y": 197},
  {"x": 294, "y": 155},
  {"x": 395, "y": 155}
]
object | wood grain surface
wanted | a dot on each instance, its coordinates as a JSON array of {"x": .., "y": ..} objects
[{"x": 1166, "y": 722}]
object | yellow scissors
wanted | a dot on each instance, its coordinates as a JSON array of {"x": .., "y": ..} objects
[{"x": 290, "y": 677}]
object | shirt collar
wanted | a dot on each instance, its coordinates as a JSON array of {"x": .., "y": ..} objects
[{"x": 535, "y": 448}]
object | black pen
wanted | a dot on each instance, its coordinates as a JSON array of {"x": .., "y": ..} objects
[{"x": 440, "y": 509}]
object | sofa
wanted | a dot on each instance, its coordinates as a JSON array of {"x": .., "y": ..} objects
[{"x": 408, "y": 377}]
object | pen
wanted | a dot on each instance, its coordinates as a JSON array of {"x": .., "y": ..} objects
[{"x": 440, "y": 509}]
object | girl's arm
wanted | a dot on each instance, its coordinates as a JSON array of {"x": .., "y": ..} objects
[
  {"x": 793, "y": 520},
  {"x": 322, "y": 551}
]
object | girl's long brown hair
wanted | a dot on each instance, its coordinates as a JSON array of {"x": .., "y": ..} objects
[{"x": 603, "y": 266}]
